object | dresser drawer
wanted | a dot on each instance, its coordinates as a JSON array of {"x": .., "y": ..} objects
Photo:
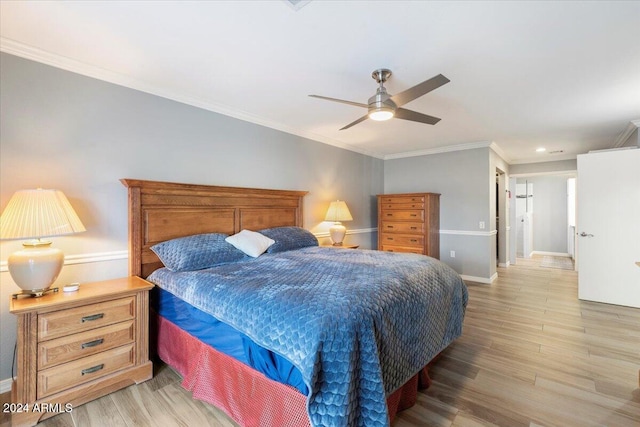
[
  {"x": 392, "y": 248},
  {"x": 83, "y": 370},
  {"x": 71, "y": 347},
  {"x": 64, "y": 322},
  {"x": 402, "y": 205},
  {"x": 401, "y": 199},
  {"x": 403, "y": 215},
  {"x": 402, "y": 227},
  {"x": 402, "y": 240}
]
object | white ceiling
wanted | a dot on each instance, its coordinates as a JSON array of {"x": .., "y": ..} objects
[{"x": 563, "y": 75}]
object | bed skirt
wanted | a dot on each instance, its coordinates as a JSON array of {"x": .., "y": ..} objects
[{"x": 244, "y": 394}]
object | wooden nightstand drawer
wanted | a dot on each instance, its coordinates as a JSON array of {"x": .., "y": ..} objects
[
  {"x": 402, "y": 240},
  {"x": 64, "y": 322},
  {"x": 403, "y": 215},
  {"x": 78, "y": 372},
  {"x": 402, "y": 227},
  {"x": 71, "y": 347},
  {"x": 391, "y": 248}
]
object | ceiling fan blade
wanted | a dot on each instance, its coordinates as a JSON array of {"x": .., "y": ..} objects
[
  {"x": 356, "y": 104},
  {"x": 361, "y": 119},
  {"x": 420, "y": 89},
  {"x": 404, "y": 114}
]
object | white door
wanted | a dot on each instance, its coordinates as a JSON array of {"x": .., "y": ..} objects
[{"x": 608, "y": 227}]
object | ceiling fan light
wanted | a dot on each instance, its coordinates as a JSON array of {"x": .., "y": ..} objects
[{"x": 381, "y": 114}]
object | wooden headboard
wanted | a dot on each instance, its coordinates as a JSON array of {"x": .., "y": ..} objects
[{"x": 160, "y": 211}]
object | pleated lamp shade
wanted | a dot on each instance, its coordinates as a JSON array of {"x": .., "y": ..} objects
[{"x": 34, "y": 214}]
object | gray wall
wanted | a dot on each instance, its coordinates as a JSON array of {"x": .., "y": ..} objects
[
  {"x": 466, "y": 181},
  {"x": 80, "y": 135}
]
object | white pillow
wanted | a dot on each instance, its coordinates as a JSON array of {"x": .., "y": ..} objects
[{"x": 251, "y": 243}]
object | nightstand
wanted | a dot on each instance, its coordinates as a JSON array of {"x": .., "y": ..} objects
[
  {"x": 341, "y": 246},
  {"x": 74, "y": 347}
]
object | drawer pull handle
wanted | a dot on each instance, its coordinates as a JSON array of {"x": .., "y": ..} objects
[
  {"x": 414, "y": 214},
  {"x": 389, "y": 214},
  {"x": 389, "y": 226},
  {"x": 93, "y": 369},
  {"x": 92, "y": 317},
  {"x": 414, "y": 228},
  {"x": 389, "y": 238},
  {"x": 413, "y": 240},
  {"x": 93, "y": 343}
]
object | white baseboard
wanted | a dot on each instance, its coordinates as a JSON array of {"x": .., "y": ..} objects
[
  {"x": 562, "y": 254},
  {"x": 504, "y": 264},
  {"x": 5, "y": 385},
  {"x": 485, "y": 280}
]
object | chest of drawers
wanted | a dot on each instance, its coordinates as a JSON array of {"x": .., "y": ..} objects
[
  {"x": 75, "y": 347},
  {"x": 409, "y": 222}
]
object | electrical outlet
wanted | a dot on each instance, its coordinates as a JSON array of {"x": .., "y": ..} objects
[
  {"x": 453, "y": 254},
  {"x": 481, "y": 225}
]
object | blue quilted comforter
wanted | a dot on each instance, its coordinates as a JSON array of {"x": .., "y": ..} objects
[{"x": 356, "y": 323}]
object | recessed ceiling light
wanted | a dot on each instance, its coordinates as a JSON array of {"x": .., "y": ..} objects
[{"x": 540, "y": 150}]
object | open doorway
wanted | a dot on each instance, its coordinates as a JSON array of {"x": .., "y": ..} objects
[
  {"x": 543, "y": 214},
  {"x": 502, "y": 220}
]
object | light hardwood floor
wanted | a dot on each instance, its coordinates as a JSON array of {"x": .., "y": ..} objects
[{"x": 531, "y": 354}]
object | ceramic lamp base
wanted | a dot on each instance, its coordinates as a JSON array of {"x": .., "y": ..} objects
[
  {"x": 337, "y": 232},
  {"x": 36, "y": 267}
]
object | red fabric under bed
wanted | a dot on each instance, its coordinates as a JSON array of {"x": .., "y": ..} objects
[{"x": 246, "y": 395}]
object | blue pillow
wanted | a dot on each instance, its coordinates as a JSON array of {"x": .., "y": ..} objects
[
  {"x": 289, "y": 238},
  {"x": 197, "y": 252}
]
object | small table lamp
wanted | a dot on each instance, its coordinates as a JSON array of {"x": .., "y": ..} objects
[
  {"x": 338, "y": 211},
  {"x": 34, "y": 214}
]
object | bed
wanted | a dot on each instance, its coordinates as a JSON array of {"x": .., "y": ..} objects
[{"x": 320, "y": 328}]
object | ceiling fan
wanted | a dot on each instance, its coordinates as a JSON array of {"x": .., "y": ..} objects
[{"x": 383, "y": 106}]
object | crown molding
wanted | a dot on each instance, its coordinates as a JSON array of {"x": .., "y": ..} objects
[
  {"x": 555, "y": 158},
  {"x": 500, "y": 152},
  {"x": 34, "y": 54},
  {"x": 438, "y": 150},
  {"x": 446, "y": 149},
  {"x": 626, "y": 133}
]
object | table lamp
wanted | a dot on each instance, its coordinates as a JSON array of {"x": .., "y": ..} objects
[
  {"x": 35, "y": 214},
  {"x": 338, "y": 211}
]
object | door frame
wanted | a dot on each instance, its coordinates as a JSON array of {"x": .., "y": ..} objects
[{"x": 512, "y": 202}]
